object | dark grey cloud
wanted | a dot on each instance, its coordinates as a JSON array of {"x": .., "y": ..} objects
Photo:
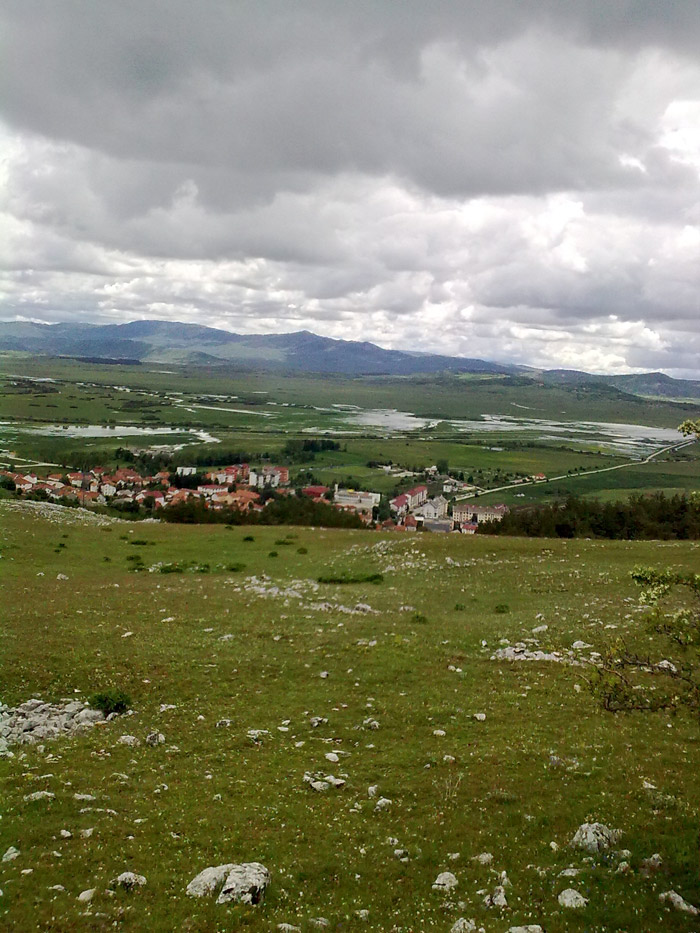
[{"x": 506, "y": 179}]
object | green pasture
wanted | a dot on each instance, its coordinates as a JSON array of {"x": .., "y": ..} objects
[{"x": 249, "y": 646}]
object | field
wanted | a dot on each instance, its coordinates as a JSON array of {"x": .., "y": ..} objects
[
  {"x": 251, "y": 646},
  {"x": 62, "y": 412}
]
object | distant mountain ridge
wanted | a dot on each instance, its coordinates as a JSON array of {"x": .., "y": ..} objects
[{"x": 301, "y": 351}]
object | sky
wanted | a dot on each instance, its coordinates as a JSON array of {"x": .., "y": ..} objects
[{"x": 515, "y": 180}]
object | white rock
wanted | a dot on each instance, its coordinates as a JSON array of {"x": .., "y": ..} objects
[
  {"x": 331, "y": 756},
  {"x": 484, "y": 858},
  {"x": 287, "y": 928},
  {"x": 128, "y": 880},
  {"x": 675, "y": 900},
  {"x": 362, "y": 914},
  {"x": 480, "y": 717},
  {"x": 87, "y": 895},
  {"x": 207, "y": 881},
  {"x": 439, "y": 732},
  {"x": 87, "y": 797},
  {"x": 128, "y": 740},
  {"x": 319, "y": 922},
  {"x": 572, "y": 898},
  {"x": 245, "y": 884},
  {"x": 530, "y": 928},
  {"x": 372, "y": 790},
  {"x": 595, "y": 837},
  {"x": 445, "y": 882},
  {"x": 497, "y": 898},
  {"x": 10, "y": 854},
  {"x": 319, "y": 786},
  {"x": 463, "y": 926},
  {"x": 383, "y": 803},
  {"x": 40, "y": 795},
  {"x": 86, "y": 833},
  {"x": 65, "y": 834}
]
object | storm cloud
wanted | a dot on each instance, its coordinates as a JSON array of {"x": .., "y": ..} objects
[{"x": 513, "y": 180}]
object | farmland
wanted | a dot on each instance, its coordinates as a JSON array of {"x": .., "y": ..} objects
[{"x": 491, "y": 428}]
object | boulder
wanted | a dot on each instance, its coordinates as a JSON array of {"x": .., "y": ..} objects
[
  {"x": 463, "y": 926},
  {"x": 130, "y": 881},
  {"x": 595, "y": 837},
  {"x": 572, "y": 898},
  {"x": 675, "y": 900},
  {"x": 245, "y": 883},
  {"x": 445, "y": 882}
]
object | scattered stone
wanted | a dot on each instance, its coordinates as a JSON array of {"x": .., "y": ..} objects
[
  {"x": 128, "y": 740},
  {"x": 287, "y": 928},
  {"x": 245, "y": 883},
  {"x": 56, "y": 887},
  {"x": 319, "y": 922},
  {"x": 319, "y": 786},
  {"x": 372, "y": 790},
  {"x": 623, "y": 868},
  {"x": 651, "y": 865},
  {"x": 86, "y": 833},
  {"x": 572, "y": 898},
  {"x": 530, "y": 928},
  {"x": 87, "y": 895},
  {"x": 484, "y": 858},
  {"x": 11, "y": 854},
  {"x": 497, "y": 898},
  {"x": 155, "y": 738},
  {"x": 595, "y": 837},
  {"x": 65, "y": 834},
  {"x": 317, "y": 721},
  {"x": 675, "y": 900},
  {"x": 570, "y": 873},
  {"x": 445, "y": 882},
  {"x": 331, "y": 756},
  {"x": 362, "y": 914},
  {"x": 40, "y": 795},
  {"x": 87, "y": 797},
  {"x": 129, "y": 881},
  {"x": 480, "y": 717},
  {"x": 463, "y": 926},
  {"x": 383, "y": 803},
  {"x": 34, "y": 721}
]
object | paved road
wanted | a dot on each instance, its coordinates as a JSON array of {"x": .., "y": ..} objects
[{"x": 620, "y": 466}]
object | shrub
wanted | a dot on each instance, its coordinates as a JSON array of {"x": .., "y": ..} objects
[
  {"x": 353, "y": 578},
  {"x": 460, "y": 607},
  {"x": 419, "y": 619},
  {"x": 273, "y": 554},
  {"x": 501, "y": 608},
  {"x": 113, "y": 700},
  {"x": 249, "y": 538},
  {"x": 139, "y": 541},
  {"x": 302, "y": 550},
  {"x": 235, "y": 568}
]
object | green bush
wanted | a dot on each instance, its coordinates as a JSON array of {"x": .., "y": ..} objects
[
  {"x": 249, "y": 538},
  {"x": 501, "y": 608},
  {"x": 273, "y": 554},
  {"x": 353, "y": 578},
  {"x": 235, "y": 568},
  {"x": 113, "y": 700},
  {"x": 302, "y": 550}
]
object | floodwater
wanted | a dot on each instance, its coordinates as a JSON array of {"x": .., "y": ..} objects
[{"x": 117, "y": 430}]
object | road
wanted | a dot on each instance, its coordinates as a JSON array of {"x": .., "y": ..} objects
[{"x": 619, "y": 466}]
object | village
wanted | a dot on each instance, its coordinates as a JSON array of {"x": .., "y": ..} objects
[{"x": 243, "y": 488}]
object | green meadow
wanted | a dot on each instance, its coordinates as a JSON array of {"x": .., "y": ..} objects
[{"x": 245, "y": 637}]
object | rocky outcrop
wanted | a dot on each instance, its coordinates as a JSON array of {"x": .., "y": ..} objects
[
  {"x": 37, "y": 721},
  {"x": 245, "y": 883}
]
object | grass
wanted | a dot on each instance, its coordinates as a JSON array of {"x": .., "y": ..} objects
[{"x": 417, "y": 665}]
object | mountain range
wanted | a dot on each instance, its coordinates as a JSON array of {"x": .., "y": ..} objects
[{"x": 301, "y": 351}]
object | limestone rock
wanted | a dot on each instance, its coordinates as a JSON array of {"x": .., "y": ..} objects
[
  {"x": 245, "y": 883},
  {"x": 129, "y": 881},
  {"x": 40, "y": 795},
  {"x": 594, "y": 837},
  {"x": 445, "y": 882},
  {"x": 497, "y": 898},
  {"x": 155, "y": 738},
  {"x": 675, "y": 900},
  {"x": 571, "y": 898},
  {"x": 87, "y": 895},
  {"x": 11, "y": 854},
  {"x": 463, "y": 926}
]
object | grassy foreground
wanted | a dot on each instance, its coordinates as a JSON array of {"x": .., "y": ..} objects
[{"x": 218, "y": 646}]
